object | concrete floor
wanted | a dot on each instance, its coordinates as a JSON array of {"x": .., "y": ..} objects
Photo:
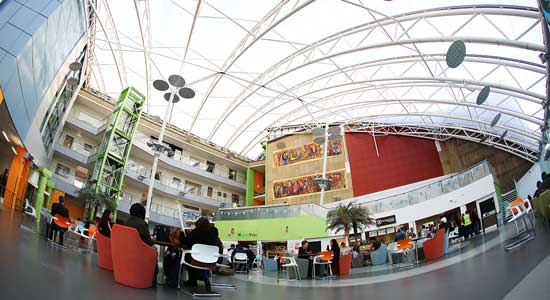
[{"x": 32, "y": 269}]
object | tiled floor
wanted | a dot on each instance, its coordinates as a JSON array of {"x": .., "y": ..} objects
[{"x": 30, "y": 269}]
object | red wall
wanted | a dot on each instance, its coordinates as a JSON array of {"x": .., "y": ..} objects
[{"x": 403, "y": 160}]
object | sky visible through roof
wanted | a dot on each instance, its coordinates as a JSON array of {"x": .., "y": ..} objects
[{"x": 261, "y": 64}]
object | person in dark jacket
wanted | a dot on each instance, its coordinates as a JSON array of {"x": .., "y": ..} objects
[
  {"x": 335, "y": 265},
  {"x": 58, "y": 209},
  {"x": 137, "y": 221},
  {"x": 206, "y": 234},
  {"x": 105, "y": 224}
]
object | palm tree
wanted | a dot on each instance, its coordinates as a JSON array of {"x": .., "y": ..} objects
[
  {"x": 359, "y": 217},
  {"x": 348, "y": 216},
  {"x": 339, "y": 219},
  {"x": 93, "y": 200}
]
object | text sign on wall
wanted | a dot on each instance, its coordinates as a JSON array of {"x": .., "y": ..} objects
[{"x": 385, "y": 221}]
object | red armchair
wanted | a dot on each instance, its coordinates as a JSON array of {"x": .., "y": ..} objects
[
  {"x": 104, "y": 257},
  {"x": 134, "y": 261},
  {"x": 434, "y": 248},
  {"x": 345, "y": 264}
]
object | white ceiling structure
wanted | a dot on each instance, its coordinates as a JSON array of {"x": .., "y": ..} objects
[{"x": 258, "y": 65}]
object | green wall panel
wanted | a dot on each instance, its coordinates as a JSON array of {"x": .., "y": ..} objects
[
  {"x": 272, "y": 229},
  {"x": 249, "y": 187}
]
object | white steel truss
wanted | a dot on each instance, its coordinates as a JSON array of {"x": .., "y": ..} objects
[{"x": 384, "y": 64}]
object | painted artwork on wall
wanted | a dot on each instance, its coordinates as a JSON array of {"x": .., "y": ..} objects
[
  {"x": 305, "y": 152},
  {"x": 307, "y": 184}
]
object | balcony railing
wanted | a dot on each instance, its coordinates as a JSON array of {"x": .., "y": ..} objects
[
  {"x": 171, "y": 212},
  {"x": 141, "y": 141},
  {"x": 375, "y": 206},
  {"x": 89, "y": 119},
  {"x": 80, "y": 148},
  {"x": 175, "y": 184},
  {"x": 430, "y": 191}
]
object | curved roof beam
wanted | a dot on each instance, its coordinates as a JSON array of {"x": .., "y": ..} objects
[
  {"x": 242, "y": 47},
  {"x": 441, "y": 133},
  {"x": 477, "y": 58},
  {"x": 437, "y": 12},
  {"x": 253, "y": 141},
  {"x": 110, "y": 45},
  {"x": 481, "y": 40},
  {"x": 428, "y": 80}
]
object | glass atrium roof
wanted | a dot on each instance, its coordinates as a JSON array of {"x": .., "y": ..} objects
[{"x": 269, "y": 64}]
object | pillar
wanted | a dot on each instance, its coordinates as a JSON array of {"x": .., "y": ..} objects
[
  {"x": 17, "y": 179},
  {"x": 45, "y": 175},
  {"x": 50, "y": 186},
  {"x": 249, "y": 187}
]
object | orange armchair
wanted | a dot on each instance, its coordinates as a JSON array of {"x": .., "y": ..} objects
[
  {"x": 434, "y": 248},
  {"x": 104, "y": 257},
  {"x": 345, "y": 264},
  {"x": 134, "y": 261}
]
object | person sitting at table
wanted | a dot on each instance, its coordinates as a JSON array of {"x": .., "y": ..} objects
[
  {"x": 105, "y": 224},
  {"x": 206, "y": 234},
  {"x": 335, "y": 263},
  {"x": 58, "y": 209},
  {"x": 400, "y": 235},
  {"x": 304, "y": 252},
  {"x": 137, "y": 221},
  {"x": 171, "y": 260},
  {"x": 240, "y": 248}
]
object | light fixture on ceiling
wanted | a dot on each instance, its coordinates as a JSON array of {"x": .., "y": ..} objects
[
  {"x": 495, "y": 120},
  {"x": 456, "y": 54},
  {"x": 483, "y": 95},
  {"x": 75, "y": 66},
  {"x": 543, "y": 57},
  {"x": 13, "y": 150},
  {"x": 6, "y": 137},
  {"x": 503, "y": 135}
]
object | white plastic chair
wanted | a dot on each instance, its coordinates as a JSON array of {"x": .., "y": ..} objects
[
  {"x": 519, "y": 211},
  {"x": 208, "y": 255},
  {"x": 79, "y": 229},
  {"x": 318, "y": 261},
  {"x": 29, "y": 209},
  {"x": 292, "y": 264},
  {"x": 257, "y": 262},
  {"x": 239, "y": 259}
]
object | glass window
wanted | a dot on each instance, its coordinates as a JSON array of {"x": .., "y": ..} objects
[
  {"x": 209, "y": 191},
  {"x": 62, "y": 170},
  {"x": 210, "y": 166},
  {"x": 68, "y": 142},
  {"x": 232, "y": 174}
]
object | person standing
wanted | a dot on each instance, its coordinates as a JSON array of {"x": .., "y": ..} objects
[
  {"x": 466, "y": 224},
  {"x": 335, "y": 263},
  {"x": 60, "y": 210},
  {"x": 476, "y": 224}
]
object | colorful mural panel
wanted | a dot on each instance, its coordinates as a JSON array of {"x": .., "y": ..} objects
[
  {"x": 308, "y": 185},
  {"x": 305, "y": 152}
]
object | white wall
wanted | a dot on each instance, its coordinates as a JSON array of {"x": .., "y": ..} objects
[
  {"x": 528, "y": 183},
  {"x": 479, "y": 190}
]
